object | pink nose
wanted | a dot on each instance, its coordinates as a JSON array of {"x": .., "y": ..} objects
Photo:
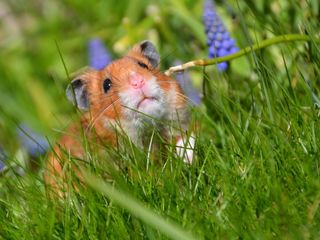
[{"x": 136, "y": 80}]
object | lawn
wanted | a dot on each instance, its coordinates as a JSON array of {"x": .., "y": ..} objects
[{"x": 256, "y": 169}]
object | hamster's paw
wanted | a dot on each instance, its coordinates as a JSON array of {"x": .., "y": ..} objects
[{"x": 185, "y": 148}]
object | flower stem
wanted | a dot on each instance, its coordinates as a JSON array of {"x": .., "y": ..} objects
[{"x": 246, "y": 50}]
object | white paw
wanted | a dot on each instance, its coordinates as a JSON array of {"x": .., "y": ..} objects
[{"x": 185, "y": 148}]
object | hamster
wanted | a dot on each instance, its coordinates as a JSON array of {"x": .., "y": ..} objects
[{"x": 131, "y": 93}]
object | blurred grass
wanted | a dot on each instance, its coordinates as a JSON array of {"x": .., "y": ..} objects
[{"x": 256, "y": 174}]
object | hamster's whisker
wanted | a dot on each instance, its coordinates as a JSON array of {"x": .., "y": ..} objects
[
  {"x": 100, "y": 99},
  {"x": 103, "y": 96},
  {"x": 189, "y": 100},
  {"x": 94, "y": 120},
  {"x": 170, "y": 81}
]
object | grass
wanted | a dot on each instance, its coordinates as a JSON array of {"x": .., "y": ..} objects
[{"x": 256, "y": 174}]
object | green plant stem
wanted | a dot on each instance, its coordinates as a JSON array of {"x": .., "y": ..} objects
[{"x": 257, "y": 46}]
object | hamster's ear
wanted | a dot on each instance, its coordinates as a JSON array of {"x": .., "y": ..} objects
[
  {"x": 148, "y": 50},
  {"x": 77, "y": 94}
]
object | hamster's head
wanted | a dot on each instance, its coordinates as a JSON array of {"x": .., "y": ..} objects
[{"x": 130, "y": 89}]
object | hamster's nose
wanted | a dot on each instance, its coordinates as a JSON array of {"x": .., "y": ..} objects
[{"x": 136, "y": 80}]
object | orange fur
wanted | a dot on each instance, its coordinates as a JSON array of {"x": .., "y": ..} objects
[{"x": 107, "y": 107}]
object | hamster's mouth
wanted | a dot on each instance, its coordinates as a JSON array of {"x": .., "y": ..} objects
[{"x": 145, "y": 101}]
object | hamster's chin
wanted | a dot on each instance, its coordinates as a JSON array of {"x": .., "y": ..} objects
[{"x": 151, "y": 107}]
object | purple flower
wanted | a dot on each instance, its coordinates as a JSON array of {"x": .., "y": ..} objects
[
  {"x": 218, "y": 38},
  {"x": 99, "y": 56},
  {"x": 34, "y": 143},
  {"x": 3, "y": 157},
  {"x": 185, "y": 82},
  {"x": 1, "y": 165}
]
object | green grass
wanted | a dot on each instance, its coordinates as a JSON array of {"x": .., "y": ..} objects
[{"x": 256, "y": 174}]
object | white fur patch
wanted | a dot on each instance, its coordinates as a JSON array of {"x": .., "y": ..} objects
[
  {"x": 139, "y": 117},
  {"x": 185, "y": 148},
  {"x": 135, "y": 119}
]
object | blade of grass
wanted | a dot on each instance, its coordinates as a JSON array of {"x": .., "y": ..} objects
[{"x": 137, "y": 209}]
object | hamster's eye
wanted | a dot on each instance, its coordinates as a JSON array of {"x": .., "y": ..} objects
[
  {"x": 107, "y": 84},
  {"x": 143, "y": 65}
]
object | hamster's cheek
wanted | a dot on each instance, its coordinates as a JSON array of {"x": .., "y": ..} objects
[
  {"x": 154, "y": 89},
  {"x": 171, "y": 96}
]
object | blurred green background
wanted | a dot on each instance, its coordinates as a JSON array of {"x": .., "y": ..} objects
[
  {"x": 33, "y": 32},
  {"x": 256, "y": 173}
]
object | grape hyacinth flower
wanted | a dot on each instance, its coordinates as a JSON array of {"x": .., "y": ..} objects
[
  {"x": 185, "y": 82},
  {"x": 3, "y": 157},
  {"x": 35, "y": 144},
  {"x": 1, "y": 165},
  {"x": 219, "y": 40},
  {"x": 99, "y": 56}
]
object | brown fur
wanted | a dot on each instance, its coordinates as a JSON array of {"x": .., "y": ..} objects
[{"x": 103, "y": 106}]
